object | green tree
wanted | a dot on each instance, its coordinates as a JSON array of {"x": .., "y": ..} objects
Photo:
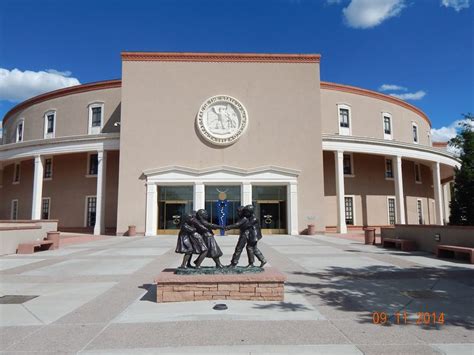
[{"x": 462, "y": 201}]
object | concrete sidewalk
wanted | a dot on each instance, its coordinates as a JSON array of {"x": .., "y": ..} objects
[{"x": 97, "y": 297}]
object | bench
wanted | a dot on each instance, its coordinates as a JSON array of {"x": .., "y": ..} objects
[
  {"x": 454, "y": 251},
  {"x": 402, "y": 244},
  {"x": 29, "y": 248}
]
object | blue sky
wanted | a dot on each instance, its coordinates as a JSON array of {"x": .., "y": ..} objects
[{"x": 423, "y": 46}]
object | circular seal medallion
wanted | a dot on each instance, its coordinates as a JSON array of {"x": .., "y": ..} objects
[{"x": 222, "y": 119}]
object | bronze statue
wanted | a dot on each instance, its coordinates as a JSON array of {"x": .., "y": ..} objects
[
  {"x": 213, "y": 250},
  {"x": 250, "y": 234},
  {"x": 190, "y": 241}
]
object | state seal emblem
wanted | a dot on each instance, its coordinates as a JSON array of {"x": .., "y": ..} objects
[{"x": 222, "y": 119}]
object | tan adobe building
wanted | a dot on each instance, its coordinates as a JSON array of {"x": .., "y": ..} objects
[{"x": 181, "y": 131}]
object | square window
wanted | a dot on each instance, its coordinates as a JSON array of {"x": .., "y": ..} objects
[
  {"x": 417, "y": 173},
  {"x": 48, "y": 168},
  {"x": 391, "y": 210},
  {"x": 387, "y": 125},
  {"x": 347, "y": 164},
  {"x": 96, "y": 117},
  {"x": 344, "y": 117},
  {"x": 388, "y": 168},
  {"x": 349, "y": 210},
  {"x": 91, "y": 202},
  {"x": 93, "y": 164},
  {"x": 45, "y": 205},
  {"x": 16, "y": 173},
  {"x": 415, "y": 133},
  {"x": 50, "y": 123}
]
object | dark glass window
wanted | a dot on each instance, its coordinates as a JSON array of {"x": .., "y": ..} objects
[
  {"x": 388, "y": 168},
  {"x": 16, "y": 173},
  {"x": 91, "y": 210},
  {"x": 173, "y": 202},
  {"x": 391, "y": 211},
  {"x": 45, "y": 208},
  {"x": 420, "y": 212},
  {"x": 96, "y": 117},
  {"x": 387, "y": 125},
  {"x": 344, "y": 117},
  {"x": 48, "y": 168},
  {"x": 14, "y": 210},
  {"x": 417, "y": 173},
  {"x": 20, "y": 132},
  {"x": 415, "y": 134},
  {"x": 349, "y": 208},
  {"x": 215, "y": 193},
  {"x": 347, "y": 163},
  {"x": 93, "y": 164},
  {"x": 50, "y": 123}
]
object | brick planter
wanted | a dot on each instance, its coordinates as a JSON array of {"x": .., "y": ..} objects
[{"x": 265, "y": 286}]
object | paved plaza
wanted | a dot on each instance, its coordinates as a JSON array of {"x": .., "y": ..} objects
[{"x": 97, "y": 298}]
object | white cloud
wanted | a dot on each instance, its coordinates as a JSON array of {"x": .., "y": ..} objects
[
  {"x": 445, "y": 133},
  {"x": 371, "y": 13},
  {"x": 410, "y": 95},
  {"x": 17, "y": 85},
  {"x": 457, "y": 5},
  {"x": 392, "y": 87}
]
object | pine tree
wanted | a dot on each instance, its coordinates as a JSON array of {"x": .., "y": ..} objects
[{"x": 462, "y": 202}]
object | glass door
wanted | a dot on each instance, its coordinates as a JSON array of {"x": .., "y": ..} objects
[
  {"x": 173, "y": 214},
  {"x": 173, "y": 203},
  {"x": 271, "y": 208}
]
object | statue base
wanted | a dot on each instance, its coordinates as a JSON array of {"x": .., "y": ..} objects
[
  {"x": 212, "y": 270},
  {"x": 266, "y": 285}
]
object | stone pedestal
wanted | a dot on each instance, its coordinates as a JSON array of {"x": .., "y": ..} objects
[{"x": 264, "y": 286}]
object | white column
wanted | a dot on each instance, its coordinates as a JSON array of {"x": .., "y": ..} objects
[
  {"x": 246, "y": 194},
  {"x": 341, "y": 211},
  {"x": 37, "y": 188},
  {"x": 437, "y": 194},
  {"x": 151, "y": 223},
  {"x": 398, "y": 174},
  {"x": 293, "y": 208},
  {"x": 99, "y": 227},
  {"x": 199, "y": 196},
  {"x": 446, "y": 201}
]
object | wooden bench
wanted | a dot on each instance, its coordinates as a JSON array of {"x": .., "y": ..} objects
[
  {"x": 402, "y": 244},
  {"x": 454, "y": 251},
  {"x": 29, "y": 248}
]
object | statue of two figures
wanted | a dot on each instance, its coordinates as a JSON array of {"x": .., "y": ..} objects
[{"x": 196, "y": 236}]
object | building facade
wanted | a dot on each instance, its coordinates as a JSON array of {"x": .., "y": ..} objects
[{"x": 184, "y": 131}]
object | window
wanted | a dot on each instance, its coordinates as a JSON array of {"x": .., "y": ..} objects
[
  {"x": 344, "y": 117},
  {"x": 16, "y": 173},
  {"x": 344, "y": 114},
  {"x": 45, "y": 207},
  {"x": 417, "y": 173},
  {"x": 387, "y": 125},
  {"x": 49, "y": 124},
  {"x": 349, "y": 210},
  {"x": 96, "y": 118},
  {"x": 419, "y": 208},
  {"x": 388, "y": 168},
  {"x": 91, "y": 203},
  {"x": 14, "y": 210},
  {"x": 48, "y": 169},
  {"x": 92, "y": 165},
  {"x": 20, "y": 130},
  {"x": 391, "y": 210},
  {"x": 348, "y": 165},
  {"x": 415, "y": 133}
]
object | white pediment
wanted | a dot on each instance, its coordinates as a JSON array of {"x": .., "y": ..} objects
[{"x": 221, "y": 174}]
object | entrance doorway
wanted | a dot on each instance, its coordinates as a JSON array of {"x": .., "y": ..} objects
[
  {"x": 271, "y": 208},
  {"x": 173, "y": 203}
]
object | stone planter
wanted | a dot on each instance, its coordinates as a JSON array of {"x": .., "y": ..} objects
[
  {"x": 54, "y": 237},
  {"x": 132, "y": 231},
  {"x": 369, "y": 236},
  {"x": 311, "y": 229}
]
